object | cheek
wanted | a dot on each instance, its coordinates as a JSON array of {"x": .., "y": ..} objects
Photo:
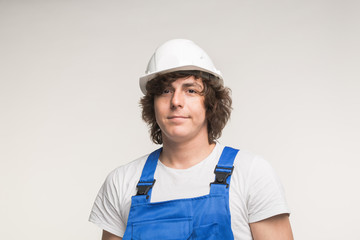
[
  {"x": 201, "y": 104},
  {"x": 199, "y": 109},
  {"x": 158, "y": 109},
  {"x": 156, "y": 105}
]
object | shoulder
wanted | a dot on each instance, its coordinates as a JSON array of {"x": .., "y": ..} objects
[
  {"x": 249, "y": 163},
  {"x": 258, "y": 186},
  {"x": 124, "y": 177},
  {"x": 246, "y": 162},
  {"x": 129, "y": 169},
  {"x": 112, "y": 203},
  {"x": 252, "y": 169},
  {"x": 252, "y": 174}
]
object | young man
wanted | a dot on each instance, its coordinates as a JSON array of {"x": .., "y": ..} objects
[{"x": 192, "y": 187}]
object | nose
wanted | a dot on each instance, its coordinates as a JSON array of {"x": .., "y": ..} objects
[{"x": 177, "y": 100}]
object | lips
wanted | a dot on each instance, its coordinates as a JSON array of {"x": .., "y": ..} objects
[{"x": 177, "y": 117}]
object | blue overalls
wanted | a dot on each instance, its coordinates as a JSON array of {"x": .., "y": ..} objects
[{"x": 206, "y": 217}]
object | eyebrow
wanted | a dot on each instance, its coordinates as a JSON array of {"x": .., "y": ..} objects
[
  {"x": 186, "y": 85},
  {"x": 193, "y": 84}
]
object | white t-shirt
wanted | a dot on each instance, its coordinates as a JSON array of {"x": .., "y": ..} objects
[{"x": 255, "y": 191}]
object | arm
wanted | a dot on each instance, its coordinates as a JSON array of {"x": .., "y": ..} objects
[
  {"x": 109, "y": 236},
  {"x": 273, "y": 228}
]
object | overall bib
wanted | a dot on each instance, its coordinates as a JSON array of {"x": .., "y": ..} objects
[{"x": 206, "y": 217}]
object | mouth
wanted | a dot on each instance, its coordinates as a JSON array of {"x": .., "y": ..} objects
[{"x": 177, "y": 117}]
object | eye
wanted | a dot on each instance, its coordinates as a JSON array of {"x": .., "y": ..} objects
[
  {"x": 166, "y": 90},
  {"x": 192, "y": 91}
]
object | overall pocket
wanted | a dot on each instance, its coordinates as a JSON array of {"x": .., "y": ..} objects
[
  {"x": 206, "y": 232},
  {"x": 166, "y": 229}
]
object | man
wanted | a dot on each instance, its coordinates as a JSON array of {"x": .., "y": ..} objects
[{"x": 192, "y": 187}]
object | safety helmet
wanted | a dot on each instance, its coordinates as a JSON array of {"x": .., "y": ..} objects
[{"x": 177, "y": 55}]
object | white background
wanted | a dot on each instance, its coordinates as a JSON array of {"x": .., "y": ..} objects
[{"x": 69, "y": 102}]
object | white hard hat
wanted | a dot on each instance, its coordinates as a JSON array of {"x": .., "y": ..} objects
[{"x": 177, "y": 55}]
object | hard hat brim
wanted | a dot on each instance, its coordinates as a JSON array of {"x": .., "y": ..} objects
[{"x": 144, "y": 79}]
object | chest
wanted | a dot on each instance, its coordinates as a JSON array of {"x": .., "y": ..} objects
[{"x": 172, "y": 184}]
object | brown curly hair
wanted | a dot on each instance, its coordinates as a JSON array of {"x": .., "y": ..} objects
[{"x": 217, "y": 102}]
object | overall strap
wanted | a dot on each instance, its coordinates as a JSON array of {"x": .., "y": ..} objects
[
  {"x": 147, "y": 180},
  {"x": 223, "y": 171}
]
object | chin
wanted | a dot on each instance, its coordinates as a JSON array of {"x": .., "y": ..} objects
[{"x": 176, "y": 137}]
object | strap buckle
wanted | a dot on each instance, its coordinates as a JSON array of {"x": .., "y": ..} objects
[
  {"x": 144, "y": 187},
  {"x": 221, "y": 175}
]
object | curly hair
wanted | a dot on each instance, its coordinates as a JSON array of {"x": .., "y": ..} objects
[{"x": 217, "y": 101}]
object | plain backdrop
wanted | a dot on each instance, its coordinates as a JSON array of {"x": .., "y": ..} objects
[{"x": 69, "y": 102}]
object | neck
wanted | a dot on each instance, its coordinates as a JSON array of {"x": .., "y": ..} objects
[{"x": 182, "y": 155}]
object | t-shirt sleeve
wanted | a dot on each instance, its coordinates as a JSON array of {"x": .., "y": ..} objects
[
  {"x": 106, "y": 209},
  {"x": 266, "y": 195}
]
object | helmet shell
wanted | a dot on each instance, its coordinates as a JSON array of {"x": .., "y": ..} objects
[{"x": 177, "y": 55}]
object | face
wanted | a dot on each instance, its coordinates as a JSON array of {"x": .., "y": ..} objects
[{"x": 180, "y": 111}]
